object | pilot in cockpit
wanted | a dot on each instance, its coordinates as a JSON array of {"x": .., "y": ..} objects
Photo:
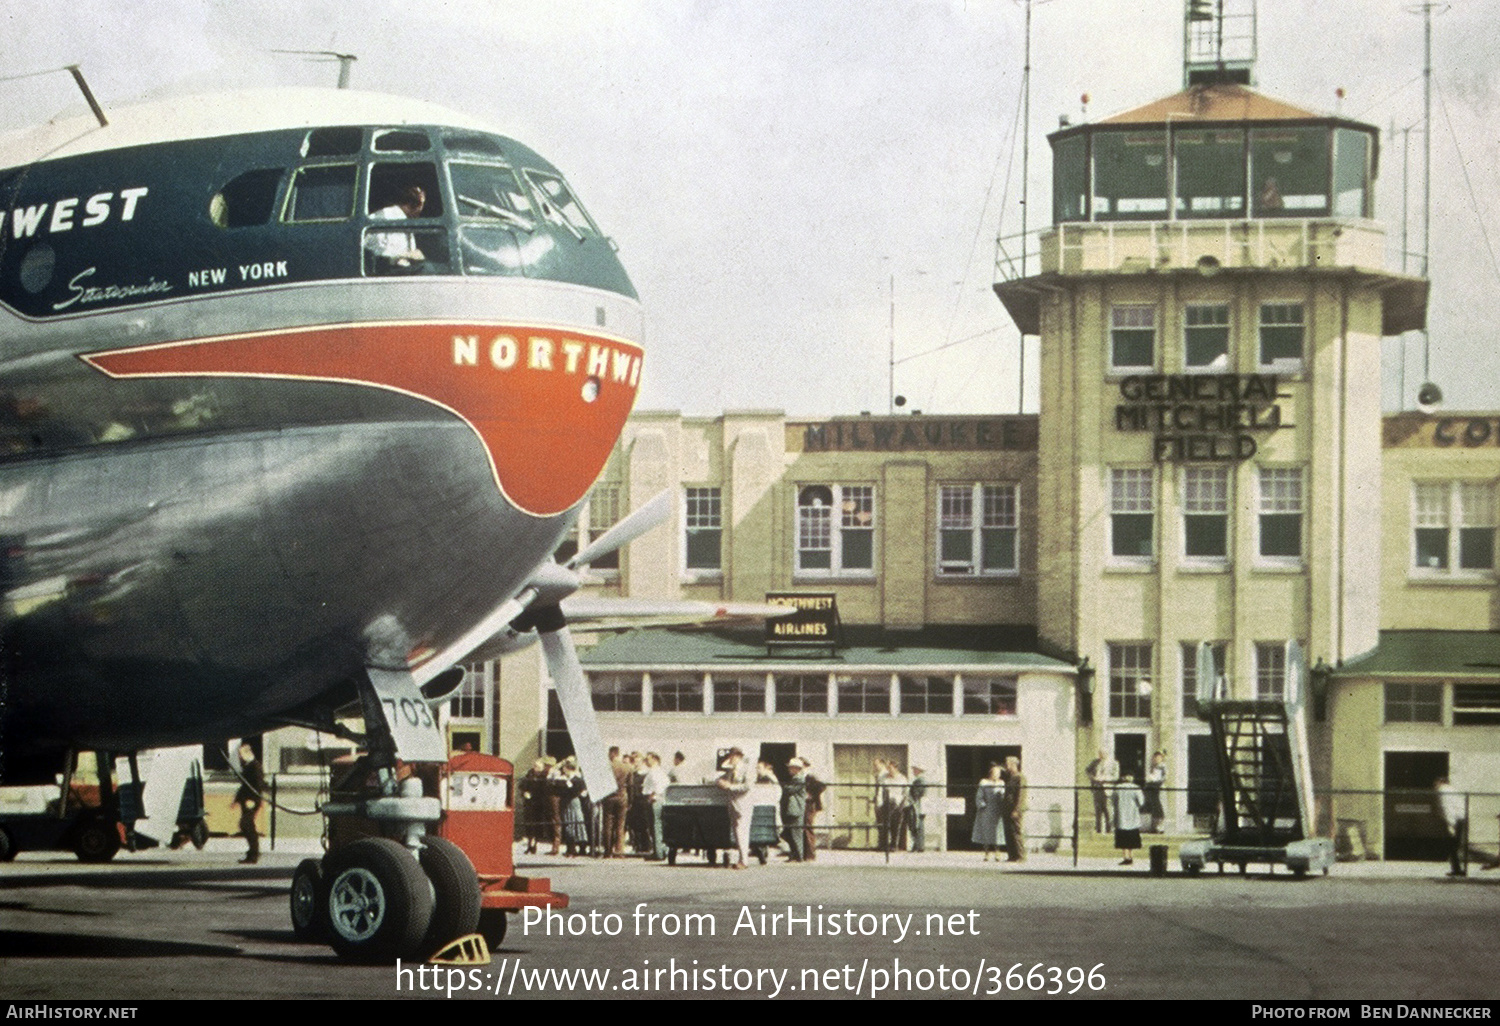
[{"x": 397, "y": 250}]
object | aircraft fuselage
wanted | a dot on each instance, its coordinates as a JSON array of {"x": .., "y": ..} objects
[{"x": 257, "y": 431}]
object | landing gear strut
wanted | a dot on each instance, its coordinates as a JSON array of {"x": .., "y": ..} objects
[{"x": 405, "y": 894}]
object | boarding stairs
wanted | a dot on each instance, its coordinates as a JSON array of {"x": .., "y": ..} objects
[{"x": 1264, "y": 770}]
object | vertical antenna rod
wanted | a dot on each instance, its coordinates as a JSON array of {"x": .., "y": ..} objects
[{"x": 88, "y": 94}]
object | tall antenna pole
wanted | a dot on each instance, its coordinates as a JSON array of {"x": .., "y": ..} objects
[
  {"x": 1025, "y": 135},
  {"x": 1427, "y": 137},
  {"x": 891, "y": 394},
  {"x": 1025, "y": 197},
  {"x": 1429, "y": 396}
]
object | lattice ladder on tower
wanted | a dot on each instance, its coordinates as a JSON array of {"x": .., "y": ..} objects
[{"x": 1265, "y": 794}]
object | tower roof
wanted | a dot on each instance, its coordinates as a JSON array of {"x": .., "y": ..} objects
[{"x": 1219, "y": 101}]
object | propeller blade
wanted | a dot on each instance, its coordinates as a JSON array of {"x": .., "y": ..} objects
[
  {"x": 578, "y": 709},
  {"x": 628, "y": 530}
]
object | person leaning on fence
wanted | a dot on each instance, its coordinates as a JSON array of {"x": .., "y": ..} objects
[
  {"x": 1156, "y": 776},
  {"x": 1451, "y": 804},
  {"x": 815, "y": 789},
  {"x": 794, "y": 809},
  {"x": 916, "y": 792},
  {"x": 1015, "y": 810},
  {"x": 1103, "y": 772}
]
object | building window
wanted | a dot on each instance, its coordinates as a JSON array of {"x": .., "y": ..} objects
[
  {"x": 1281, "y": 512},
  {"x": 1132, "y": 507},
  {"x": 703, "y": 524},
  {"x": 801, "y": 693},
  {"x": 617, "y": 692},
  {"x": 736, "y": 695},
  {"x": 989, "y": 696},
  {"x": 1270, "y": 670},
  {"x": 930, "y": 695},
  {"x": 1190, "y": 673},
  {"x": 1413, "y": 703},
  {"x": 1454, "y": 527},
  {"x": 1205, "y": 512},
  {"x": 1205, "y": 336},
  {"x": 969, "y": 545},
  {"x": 863, "y": 694},
  {"x": 467, "y": 702},
  {"x": 598, "y": 513},
  {"x": 1476, "y": 705},
  {"x": 1130, "y": 680},
  {"x": 1132, "y": 338},
  {"x": 1281, "y": 336},
  {"x": 835, "y": 529},
  {"x": 677, "y": 694}
]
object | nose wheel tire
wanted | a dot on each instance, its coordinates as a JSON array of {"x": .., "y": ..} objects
[
  {"x": 455, "y": 888},
  {"x": 379, "y": 902}
]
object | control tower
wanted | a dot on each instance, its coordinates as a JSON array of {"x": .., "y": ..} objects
[{"x": 1210, "y": 300}]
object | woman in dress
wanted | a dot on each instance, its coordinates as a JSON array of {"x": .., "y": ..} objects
[
  {"x": 989, "y": 823},
  {"x": 574, "y": 820},
  {"x": 1128, "y": 803}
]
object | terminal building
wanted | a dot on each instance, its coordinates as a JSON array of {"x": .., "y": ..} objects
[{"x": 1210, "y": 463}]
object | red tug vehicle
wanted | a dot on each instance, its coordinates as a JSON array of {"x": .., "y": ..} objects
[{"x": 371, "y": 904}]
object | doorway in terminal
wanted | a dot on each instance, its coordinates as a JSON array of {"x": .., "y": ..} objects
[
  {"x": 853, "y": 796},
  {"x": 1202, "y": 782},
  {"x": 1414, "y": 826},
  {"x": 967, "y": 765},
  {"x": 1130, "y": 753},
  {"x": 778, "y": 754}
]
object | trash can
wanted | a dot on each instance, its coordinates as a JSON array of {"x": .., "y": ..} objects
[{"x": 1158, "y": 860}]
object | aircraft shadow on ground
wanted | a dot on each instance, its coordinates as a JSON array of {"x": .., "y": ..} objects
[
  {"x": 32, "y": 944},
  {"x": 150, "y": 878}
]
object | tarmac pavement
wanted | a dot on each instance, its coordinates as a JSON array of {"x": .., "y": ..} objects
[{"x": 852, "y": 924}]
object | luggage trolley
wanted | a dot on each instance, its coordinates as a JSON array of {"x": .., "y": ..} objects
[{"x": 695, "y": 817}]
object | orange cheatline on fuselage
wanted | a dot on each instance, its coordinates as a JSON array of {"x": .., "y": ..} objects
[{"x": 547, "y": 403}]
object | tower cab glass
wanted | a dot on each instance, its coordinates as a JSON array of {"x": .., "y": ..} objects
[{"x": 1218, "y": 151}]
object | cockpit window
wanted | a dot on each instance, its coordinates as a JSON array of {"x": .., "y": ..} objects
[
  {"x": 323, "y": 192},
  {"x": 558, "y": 204},
  {"x": 489, "y": 192},
  {"x": 401, "y": 140},
  {"x": 333, "y": 142},
  {"x": 391, "y": 186},
  {"x": 472, "y": 143},
  {"x": 248, "y": 199}
]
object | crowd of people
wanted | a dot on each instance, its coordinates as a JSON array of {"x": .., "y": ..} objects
[
  {"x": 556, "y": 808},
  {"x": 1125, "y": 806}
]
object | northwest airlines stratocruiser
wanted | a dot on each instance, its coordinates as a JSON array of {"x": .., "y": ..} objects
[{"x": 298, "y": 392}]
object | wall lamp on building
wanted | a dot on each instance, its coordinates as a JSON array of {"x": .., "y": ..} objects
[
  {"x": 1085, "y": 692},
  {"x": 1320, "y": 676}
]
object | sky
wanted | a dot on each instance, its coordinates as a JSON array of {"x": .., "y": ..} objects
[{"x": 801, "y": 189}]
